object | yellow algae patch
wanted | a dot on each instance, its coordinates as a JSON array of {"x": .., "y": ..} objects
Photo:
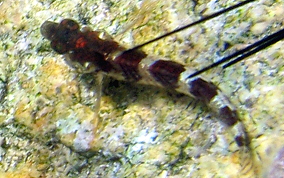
[
  {"x": 30, "y": 115},
  {"x": 52, "y": 80},
  {"x": 40, "y": 94},
  {"x": 55, "y": 81},
  {"x": 27, "y": 170}
]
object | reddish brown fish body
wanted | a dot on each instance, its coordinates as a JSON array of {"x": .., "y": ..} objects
[
  {"x": 100, "y": 51},
  {"x": 95, "y": 51}
]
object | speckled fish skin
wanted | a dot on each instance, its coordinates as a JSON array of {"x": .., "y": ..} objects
[{"x": 95, "y": 51}]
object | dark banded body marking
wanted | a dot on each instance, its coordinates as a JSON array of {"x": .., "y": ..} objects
[
  {"x": 129, "y": 63},
  {"x": 230, "y": 116},
  {"x": 209, "y": 93},
  {"x": 203, "y": 90},
  {"x": 94, "y": 51},
  {"x": 166, "y": 72}
]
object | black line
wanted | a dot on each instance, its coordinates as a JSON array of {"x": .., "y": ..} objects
[
  {"x": 268, "y": 41},
  {"x": 244, "y": 53},
  {"x": 192, "y": 24}
]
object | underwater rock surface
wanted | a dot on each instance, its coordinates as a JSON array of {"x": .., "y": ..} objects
[{"x": 47, "y": 109}]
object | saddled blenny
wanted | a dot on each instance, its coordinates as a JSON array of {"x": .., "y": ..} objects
[{"x": 96, "y": 52}]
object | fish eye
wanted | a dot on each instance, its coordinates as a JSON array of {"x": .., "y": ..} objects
[
  {"x": 48, "y": 29},
  {"x": 70, "y": 24}
]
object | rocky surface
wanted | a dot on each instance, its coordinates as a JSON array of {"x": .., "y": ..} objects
[{"x": 47, "y": 116}]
